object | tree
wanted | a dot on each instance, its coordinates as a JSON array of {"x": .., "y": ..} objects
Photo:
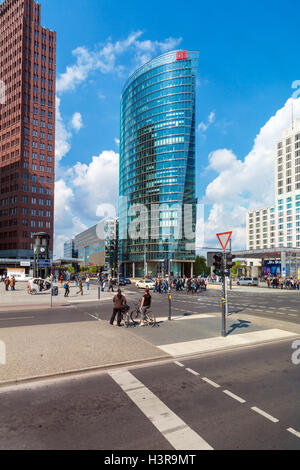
[
  {"x": 200, "y": 266},
  {"x": 234, "y": 270}
]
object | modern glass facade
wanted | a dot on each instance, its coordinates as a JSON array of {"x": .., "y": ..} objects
[{"x": 157, "y": 204}]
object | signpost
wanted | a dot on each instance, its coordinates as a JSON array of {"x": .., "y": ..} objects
[{"x": 224, "y": 240}]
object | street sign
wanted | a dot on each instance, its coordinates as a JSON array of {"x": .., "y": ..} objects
[
  {"x": 224, "y": 239},
  {"x": 43, "y": 263}
]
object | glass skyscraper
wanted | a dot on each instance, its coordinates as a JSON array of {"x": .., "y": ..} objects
[{"x": 157, "y": 202}]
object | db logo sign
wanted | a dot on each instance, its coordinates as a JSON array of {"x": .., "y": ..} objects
[{"x": 181, "y": 55}]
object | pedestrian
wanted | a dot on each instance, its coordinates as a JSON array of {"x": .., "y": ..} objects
[
  {"x": 67, "y": 288},
  {"x": 12, "y": 283},
  {"x": 145, "y": 305},
  {"x": 119, "y": 301},
  {"x": 87, "y": 280},
  {"x": 7, "y": 283},
  {"x": 110, "y": 285},
  {"x": 80, "y": 286}
]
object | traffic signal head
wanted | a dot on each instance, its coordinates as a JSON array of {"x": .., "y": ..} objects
[
  {"x": 229, "y": 261},
  {"x": 218, "y": 264}
]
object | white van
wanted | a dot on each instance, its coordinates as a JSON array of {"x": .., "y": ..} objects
[{"x": 248, "y": 281}]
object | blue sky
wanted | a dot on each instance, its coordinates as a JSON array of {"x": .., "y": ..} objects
[{"x": 248, "y": 61}]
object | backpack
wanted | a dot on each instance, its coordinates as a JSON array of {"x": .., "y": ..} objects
[{"x": 65, "y": 286}]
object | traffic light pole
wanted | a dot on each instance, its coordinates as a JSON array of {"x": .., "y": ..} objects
[{"x": 224, "y": 298}]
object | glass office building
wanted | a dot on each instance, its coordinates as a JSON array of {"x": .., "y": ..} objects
[{"x": 157, "y": 202}]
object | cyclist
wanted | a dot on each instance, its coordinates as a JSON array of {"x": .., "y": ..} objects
[
  {"x": 145, "y": 305},
  {"x": 119, "y": 301}
]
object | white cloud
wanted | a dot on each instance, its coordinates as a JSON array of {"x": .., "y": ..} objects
[
  {"x": 242, "y": 185},
  {"x": 202, "y": 127},
  {"x": 84, "y": 195},
  {"x": 77, "y": 122},
  {"x": 62, "y": 135},
  {"x": 104, "y": 59}
]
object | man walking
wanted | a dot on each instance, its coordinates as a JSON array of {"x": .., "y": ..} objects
[{"x": 80, "y": 286}]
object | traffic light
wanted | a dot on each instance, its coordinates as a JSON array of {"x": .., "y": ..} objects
[
  {"x": 218, "y": 264},
  {"x": 229, "y": 261}
]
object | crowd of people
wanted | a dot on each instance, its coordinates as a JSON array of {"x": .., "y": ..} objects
[
  {"x": 193, "y": 285},
  {"x": 283, "y": 283}
]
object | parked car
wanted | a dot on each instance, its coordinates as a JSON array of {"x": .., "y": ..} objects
[
  {"x": 126, "y": 280},
  {"x": 145, "y": 283},
  {"x": 248, "y": 281}
]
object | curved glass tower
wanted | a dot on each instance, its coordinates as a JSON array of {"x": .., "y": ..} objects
[{"x": 157, "y": 203}]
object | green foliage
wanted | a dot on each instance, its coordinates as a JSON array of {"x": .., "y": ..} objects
[
  {"x": 238, "y": 264},
  {"x": 200, "y": 266}
]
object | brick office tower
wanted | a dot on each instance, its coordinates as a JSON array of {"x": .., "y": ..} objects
[{"x": 27, "y": 128}]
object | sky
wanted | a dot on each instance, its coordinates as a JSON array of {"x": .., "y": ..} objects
[{"x": 249, "y": 64}]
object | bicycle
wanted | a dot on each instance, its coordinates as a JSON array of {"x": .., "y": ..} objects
[
  {"x": 126, "y": 316},
  {"x": 149, "y": 317}
]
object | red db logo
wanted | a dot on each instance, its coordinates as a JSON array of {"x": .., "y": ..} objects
[{"x": 181, "y": 55}]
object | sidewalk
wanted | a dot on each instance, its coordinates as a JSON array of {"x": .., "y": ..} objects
[
  {"x": 41, "y": 351},
  {"x": 14, "y": 300}
]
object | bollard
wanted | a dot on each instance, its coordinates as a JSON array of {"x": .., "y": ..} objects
[
  {"x": 170, "y": 307},
  {"x": 99, "y": 290}
]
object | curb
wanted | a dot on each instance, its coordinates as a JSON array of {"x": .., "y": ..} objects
[{"x": 83, "y": 371}]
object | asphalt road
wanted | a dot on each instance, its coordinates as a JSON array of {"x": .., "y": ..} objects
[
  {"x": 269, "y": 304},
  {"x": 243, "y": 399}
]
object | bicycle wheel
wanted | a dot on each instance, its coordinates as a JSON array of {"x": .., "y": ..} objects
[
  {"x": 150, "y": 319},
  {"x": 126, "y": 319}
]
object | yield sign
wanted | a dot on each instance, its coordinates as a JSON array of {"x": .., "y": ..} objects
[{"x": 224, "y": 239}]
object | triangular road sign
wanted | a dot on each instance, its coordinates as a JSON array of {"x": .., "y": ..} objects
[{"x": 224, "y": 239}]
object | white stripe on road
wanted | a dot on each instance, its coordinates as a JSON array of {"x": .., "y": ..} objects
[
  {"x": 192, "y": 371},
  {"x": 16, "y": 318},
  {"x": 210, "y": 382},
  {"x": 293, "y": 431},
  {"x": 178, "y": 363},
  {"x": 173, "y": 428},
  {"x": 263, "y": 413},
  {"x": 235, "y": 397}
]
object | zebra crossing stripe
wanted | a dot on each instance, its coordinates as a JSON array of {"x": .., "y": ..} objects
[{"x": 173, "y": 428}]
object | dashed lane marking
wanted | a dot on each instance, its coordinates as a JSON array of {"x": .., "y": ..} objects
[
  {"x": 293, "y": 431},
  {"x": 192, "y": 371},
  {"x": 263, "y": 413},
  {"x": 235, "y": 397},
  {"x": 173, "y": 428},
  {"x": 178, "y": 364},
  {"x": 210, "y": 382}
]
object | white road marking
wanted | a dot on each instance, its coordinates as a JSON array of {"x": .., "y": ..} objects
[
  {"x": 179, "y": 364},
  {"x": 210, "y": 382},
  {"x": 263, "y": 413},
  {"x": 293, "y": 431},
  {"x": 173, "y": 428},
  {"x": 96, "y": 318},
  {"x": 192, "y": 371},
  {"x": 16, "y": 318},
  {"x": 235, "y": 397},
  {"x": 217, "y": 343}
]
